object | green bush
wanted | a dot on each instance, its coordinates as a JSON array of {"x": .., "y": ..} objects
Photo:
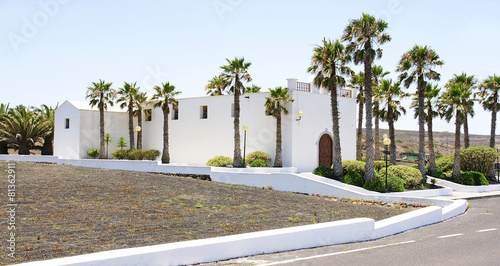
[
  {"x": 151, "y": 155},
  {"x": 93, "y": 153},
  {"x": 439, "y": 172},
  {"x": 353, "y": 166},
  {"x": 410, "y": 176},
  {"x": 374, "y": 184},
  {"x": 257, "y": 155},
  {"x": 446, "y": 163},
  {"x": 479, "y": 179},
  {"x": 465, "y": 179},
  {"x": 380, "y": 164},
  {"x": 120, "y": 154},
  {"x": 324, "y": 171},
  {"x": 220, "y": 161},
  {"x": 134, "y": 154},
  {"x": 394, "y": 183},
  {"x": 363, "y": 159},
  {"x": 259, "y": 163},
  {"x": 478, "y": 159},
  {"x": 353, "y": 178}
]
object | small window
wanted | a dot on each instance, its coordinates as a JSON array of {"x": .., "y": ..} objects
[
  {"x": 203, "y": 112},
  {"x": 175, "y": 114},
  {"x": 67, "y": 123},
  {"x": 232, "y": 110},
  {"x": 148, "y": 115}
]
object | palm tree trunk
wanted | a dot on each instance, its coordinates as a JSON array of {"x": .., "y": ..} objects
[
  {"x": 376, "y": 139},
  {"x": 48, "y": 145},
  {"x": 390, "y": 120},
  {"x": 493, "y": 121},
  {"x": 237, "y": 140},
  {"x": 466, "y": 132},
  {"x": 369, "y": 168},
  {"x": 359, "y": 132},
  {"x": 131, "y": 123},
  {"x": 165, "y": 158},
  {"x": 430, "y": 139},
  {"x": 278, "y": 161},
  {"x": 421, "y": 128},
  {"x": 337, "y": 152},
  {"x": 139, "y": 123},
  {"x": 23, "y": 148},
  {"x": 456, "y": 162},
  {"x": 3, "y": 147},
  {"x": 102, "y": 147}
]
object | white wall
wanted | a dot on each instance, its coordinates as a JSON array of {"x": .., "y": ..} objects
[{"x": 66, "y": 144}]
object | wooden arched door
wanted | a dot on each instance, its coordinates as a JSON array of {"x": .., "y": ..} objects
[{"x": 325, "y": 150}]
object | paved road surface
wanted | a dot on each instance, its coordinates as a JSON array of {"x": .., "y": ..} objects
[{"x": 469, "y": 239}]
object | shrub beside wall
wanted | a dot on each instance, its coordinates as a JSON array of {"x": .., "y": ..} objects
[
  {"x": 264, "y": 156},
  {"x": 410, "y": 176},
  {"x": 134, "y": 154},
  {"x": 93, "y": 153},
  {"x": 220, "y": 161},
  {"x": 478, "y": 159}
]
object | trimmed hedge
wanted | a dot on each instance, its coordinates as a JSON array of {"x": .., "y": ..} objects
[
  {"x": 446, "y": 163},
  {"x": 380, "y": 164},
  {"x": 134, "y": 154},
  {"x": 471, "y": 178},
  {"x": 353, "y": 166},
  {"x": 394, "y": 183},
  {"x": 257, "y": 155},
  {"x": 374, "y": 184},
  {"x": 478, "y": 159},
  {"x": 259, "y": 163},
  {"x": 220, "y": 161},
  {"x": 353, "y": 178},
  {"x": 410, "y": 176},
  {"x": 324, "y": 171},
  {"x": 439, "y": 172}
]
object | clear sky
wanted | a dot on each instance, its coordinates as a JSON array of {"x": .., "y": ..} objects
[{"x": 51, "y": 50}]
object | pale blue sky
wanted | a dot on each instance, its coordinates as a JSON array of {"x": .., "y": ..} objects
[{"x": 51, "y": 50}]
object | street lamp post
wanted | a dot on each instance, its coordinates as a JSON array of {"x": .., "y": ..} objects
[
  {"x": 245, "y": 128},
  {"x": 138, "y": 129},
  {"x": 497, "y": 147},
  {"x": 387, "y": 142}
]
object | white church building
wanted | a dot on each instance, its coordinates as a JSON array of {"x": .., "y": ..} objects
[{"x": 202, "y": 127}]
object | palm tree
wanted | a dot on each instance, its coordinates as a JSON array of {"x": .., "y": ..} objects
[
  {"x": 164, "y": 97},
  {"x": 469, "y": 83},
  {"x": 128, "y": 93},
  {"x": 488, "y": 92},
  {"x": 48, "y": 140},
  {"x": 276, "y": 105},
  {"x": 237, "y": 71},
  {"x": 391, "y": 109},
  {"x": 121, "y": 143},
  {"x": 107, "y": 139},
  {"x": 4, "y": 110},
  {"x": 416, "y": 66},
  {"x": 329, "y": 64},
  {"x": 139, "y": 100},
  {"x": 363, "y": 34},
  {"x": 217, "y": 85},
  {"x": 377, "y": 73},
  {"x": 252, "y": 89},
  {"x": 431, "y": 101},
  {"x": 101, "y": 95},
  {"x": 23, "y": 129},
  {"x": 357, "y": 82},
  {"x": 452, "y": 104}
]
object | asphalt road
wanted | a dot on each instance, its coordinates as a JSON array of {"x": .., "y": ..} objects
[{"x": 472, "y": 238}]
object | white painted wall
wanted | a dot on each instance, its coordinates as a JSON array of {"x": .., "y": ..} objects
[
  {"x": 194, "y": 140},
  {"x": 66, "y": 144}
]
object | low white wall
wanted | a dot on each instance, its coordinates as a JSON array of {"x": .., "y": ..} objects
[
  {"x": 29, "y": 158},
  {"x": 464, "y": 188}
]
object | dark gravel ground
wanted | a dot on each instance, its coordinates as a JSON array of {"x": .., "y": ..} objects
[{"x": 65, "y": 210}]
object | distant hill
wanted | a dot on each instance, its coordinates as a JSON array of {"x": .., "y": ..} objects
[{"x": 444, "y": 142}]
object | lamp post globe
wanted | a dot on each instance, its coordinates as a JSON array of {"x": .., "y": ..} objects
[{"x": 386, "y": 142}]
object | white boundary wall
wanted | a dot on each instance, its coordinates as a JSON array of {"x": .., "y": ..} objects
[{"x": 198, "y": 251}]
